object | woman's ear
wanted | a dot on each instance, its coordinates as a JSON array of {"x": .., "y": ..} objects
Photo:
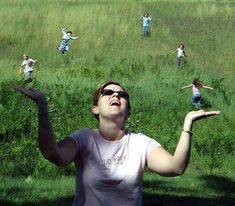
[{"x": 95, "y": 110}]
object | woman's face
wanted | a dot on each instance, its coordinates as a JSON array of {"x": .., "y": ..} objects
[{"x": 112, "y": 103}]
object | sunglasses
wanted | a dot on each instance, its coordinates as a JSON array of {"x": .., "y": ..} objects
[{"x": 109, "y": 92}]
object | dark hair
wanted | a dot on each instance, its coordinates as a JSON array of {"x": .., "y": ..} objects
[
  {"x": 181, "y": 44},
  {"x": 69, "y": 32},
  {"x": 99, "y": 90},
  {"x": 197, "y": 82},
  {"x": 147, "y": 14}
]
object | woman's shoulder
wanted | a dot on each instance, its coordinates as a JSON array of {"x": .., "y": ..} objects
[
  {"x": 139, "y": 136},
  {"x": 81, "y": 133},
  {"x": 142, "y": 139},
  {"x": 84, "y": 137}
]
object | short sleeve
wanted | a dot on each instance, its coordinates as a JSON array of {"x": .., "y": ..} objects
[
  {"x": 83, "y": 139},
  {"x": 151, "y": 145},
  {"x": 144, "y": 144},
  {"x": 75, "y": 137}
]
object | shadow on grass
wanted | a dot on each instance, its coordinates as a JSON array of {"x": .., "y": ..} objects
[
  {"x": 222, "y": 185},
  {"x": 66, "y": 201}
]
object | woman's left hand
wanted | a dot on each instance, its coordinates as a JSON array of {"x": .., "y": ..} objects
[
  {"x": 200, "y": 114},
  {"x": 194, "y": 116}
]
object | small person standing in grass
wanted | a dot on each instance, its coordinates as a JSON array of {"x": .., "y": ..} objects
[
  {"x": 146, "y": 21},
  {"x": 180, "y": 55},
  {"x": 196, "y": 86},
  {"x": 64, "y": 46},
  {"x": 27, "y": 67},
  {"x": 110, "y": 160}
]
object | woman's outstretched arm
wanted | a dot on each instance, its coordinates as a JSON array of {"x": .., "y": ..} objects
[
  {"x": 163, "y": 163},
  {"x": 61, "y": 153},
  {"x": 207, "y": 87},
  {"x": 187, "y": 86}
]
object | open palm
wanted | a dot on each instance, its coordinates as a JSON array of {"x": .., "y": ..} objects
[
  {"x": 33, "y": 94},
  {"x": 200, "y": 114}
]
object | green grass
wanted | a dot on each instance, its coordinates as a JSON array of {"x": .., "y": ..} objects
[
  {"x": 190, "y": 189},
  {"x": 112, "y": 47}
]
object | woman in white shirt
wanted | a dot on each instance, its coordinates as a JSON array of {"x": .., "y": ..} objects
[{"x": 110, "y": 160}]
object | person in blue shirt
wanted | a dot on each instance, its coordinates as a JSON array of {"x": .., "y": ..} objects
[
  {"x": 146, "y": 21},
  {"x": 67, "y": 35}
]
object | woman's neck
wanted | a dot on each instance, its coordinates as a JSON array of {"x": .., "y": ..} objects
[{"x": 111, "y": 131}]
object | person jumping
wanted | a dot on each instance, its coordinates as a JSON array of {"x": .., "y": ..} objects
[{"x": 64, "y": 46}]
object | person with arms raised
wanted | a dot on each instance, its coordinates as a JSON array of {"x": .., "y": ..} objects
[{"x": 109, "y": 159}]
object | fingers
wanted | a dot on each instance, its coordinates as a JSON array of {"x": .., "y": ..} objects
[
  {"x": 209, "y": 112},
  {"x": 212, "y": 113},
  {"x": 27, "y": 92},
  {"x": 19, "y": 88},
  {"x": 200, "y": 114}
]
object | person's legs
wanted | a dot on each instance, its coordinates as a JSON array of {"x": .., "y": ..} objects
[
  {"x": 180, "y": 61},
  {"x": 66, "y": 48},
  {"x": 30, "y": 76},
  {"x": 183, "y": 60},
  {"x": 196, "y": 101},
  {"x": 145, "y": 28},
  {"x": 27, "y": 76},
  {"x": 63, "y": 46}
]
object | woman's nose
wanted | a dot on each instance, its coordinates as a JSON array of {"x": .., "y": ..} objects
[{"x": 115, "y": 94}]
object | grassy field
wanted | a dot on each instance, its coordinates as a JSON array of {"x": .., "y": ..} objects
[
  {"x": 111, "y": 46},
  {"x": 190, "y": 189}
]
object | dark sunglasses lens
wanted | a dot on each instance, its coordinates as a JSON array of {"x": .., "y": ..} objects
[
  {"x": 123, "y": 95},
  {"x": 107, "y": 92}
]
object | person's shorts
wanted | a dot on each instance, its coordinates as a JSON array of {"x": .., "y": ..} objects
[
  {"x": 196, "y": 98},
  {"x": 28, "y": 75}
]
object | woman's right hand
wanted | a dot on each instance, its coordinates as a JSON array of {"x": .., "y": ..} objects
[{"x": 33, "y": 94}]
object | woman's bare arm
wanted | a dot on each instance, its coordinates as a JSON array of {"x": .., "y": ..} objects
[
  {"x": 61, "y": 153},
  {"x": 163, "y": 163}
]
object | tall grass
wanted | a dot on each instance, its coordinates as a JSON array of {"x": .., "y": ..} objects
[
  {"x": 111, "y": 46},
  {"x": 111, "y": 31}
]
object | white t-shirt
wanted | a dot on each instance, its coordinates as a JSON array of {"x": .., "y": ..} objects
[
  {"x": 110, "y": 172},
  {"x": 146, "y": 20},
  {"x": 195, "y": 90},
  {"x": 180, "y": 52},
  {"x": 28, "y": 65}
]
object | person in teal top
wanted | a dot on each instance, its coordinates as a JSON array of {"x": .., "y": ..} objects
[
  {"x": 146, "y": 21},
  {"x": 64, "y": 46}
]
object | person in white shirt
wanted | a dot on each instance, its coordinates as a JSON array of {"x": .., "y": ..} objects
[
  {"x": 180, "y": 55},
  {"x": 146, "y": 19},
  {"x": 110, "y": 160},
  {"x": 27, "y": 67}
]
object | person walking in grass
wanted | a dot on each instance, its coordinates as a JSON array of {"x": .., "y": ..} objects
[
  {"x": 180, "y": 55},
  {"x": 27, "y": 67},
  {"x": 110, "y": 160},
  {"x": 146, "y": 19},
  {"x": 196, "y": 86},
  {"x": 64, "y": 45}
]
